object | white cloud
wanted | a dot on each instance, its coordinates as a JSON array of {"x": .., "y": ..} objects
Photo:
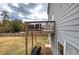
[
  {"x": 4, "y": 6},
  {"x": 15, "y": 4},
  {"x": 31, "y": 10},
  {"x": 43, "y": 15},
  {"x": 7, "y": 8},
  {"x": 39, "y": 16},
  {"x": 35, "y": 12},
  {"x": 38, "y": 8},
  {"x": 20, "y": 15},
  {"x": 26, "y": 3}
]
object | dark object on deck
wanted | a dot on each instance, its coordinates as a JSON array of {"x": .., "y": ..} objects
[{"x": 36, "y": 50}]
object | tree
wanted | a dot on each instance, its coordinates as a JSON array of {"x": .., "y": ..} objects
[
  {"x": 11, "y": 26},
  {"x": 17, "y": 25},
  {"x": 1, "y": 27},
  {"x": 6, "y": 22}
]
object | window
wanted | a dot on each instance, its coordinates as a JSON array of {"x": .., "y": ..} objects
[{"x": 60, "y": 49}]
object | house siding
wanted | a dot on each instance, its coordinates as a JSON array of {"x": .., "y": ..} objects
[{"x": 66, "y": 16}]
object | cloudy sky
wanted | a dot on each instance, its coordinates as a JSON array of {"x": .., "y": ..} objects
[{"x": 24, "y": 11}]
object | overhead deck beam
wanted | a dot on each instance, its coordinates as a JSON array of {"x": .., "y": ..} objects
[{"x": 40, "y": 22}]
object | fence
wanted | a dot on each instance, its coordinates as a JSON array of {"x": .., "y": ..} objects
[{"x": 23, "y": 34}]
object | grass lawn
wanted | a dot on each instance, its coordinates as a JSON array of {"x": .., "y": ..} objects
[
  {"x": 12, "y": 45},
  {"x": 16, "y": 45}
]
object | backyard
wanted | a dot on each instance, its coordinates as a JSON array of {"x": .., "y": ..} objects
[{"x": 16, "y": 45}]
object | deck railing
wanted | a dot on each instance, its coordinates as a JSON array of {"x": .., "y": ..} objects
[{"x": 38, "y": 26}]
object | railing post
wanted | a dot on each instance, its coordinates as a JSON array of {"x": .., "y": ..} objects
[
  {"x": 32, "y": 38},
  {"x": 26, "y": 38},
  {"x": 35, "y": 37},
  {"x": 26, "y": 42}
]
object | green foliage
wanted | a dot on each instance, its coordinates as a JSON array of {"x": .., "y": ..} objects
[
  {"x": 6, "y": 23},
  {"x": 17, "y": 25},
  {"x": 1, "y": 27},
  {"x": 10, "y": 26}
]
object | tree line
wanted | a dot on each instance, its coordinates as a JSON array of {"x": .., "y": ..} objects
[{"x": 10, "y": 26}]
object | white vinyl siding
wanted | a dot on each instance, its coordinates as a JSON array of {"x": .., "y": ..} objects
[{"x": 66, "y": 16}]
